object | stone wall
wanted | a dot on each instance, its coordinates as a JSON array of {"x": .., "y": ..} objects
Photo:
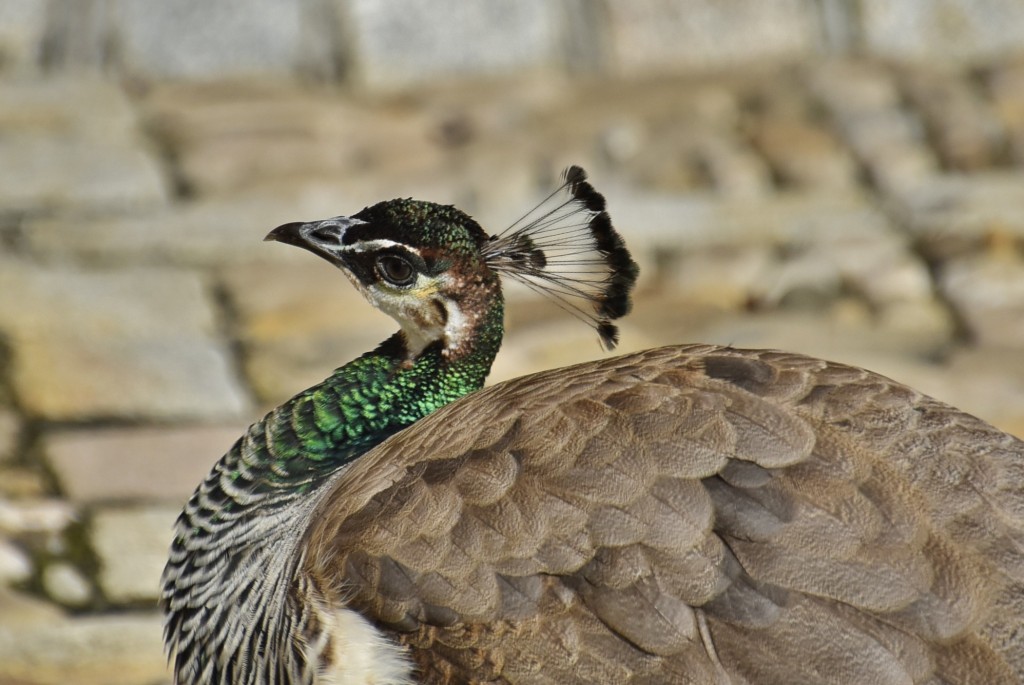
[
  {"x": 835, "y": 177},
  {"x": 397, "y": 43}
]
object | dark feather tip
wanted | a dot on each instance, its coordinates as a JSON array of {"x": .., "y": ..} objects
[
  {"x": 609, "y": 334},
  {"x": 604, "y": 234},
  {"x": 584, "y": 192},
  {"x": 622, "y": 262},
  {"x": 616, "y": 303},
  {"x": 574, "y": 175}
]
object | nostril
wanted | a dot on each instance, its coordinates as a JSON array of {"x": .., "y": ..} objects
[{"x": 325, "y": 233}]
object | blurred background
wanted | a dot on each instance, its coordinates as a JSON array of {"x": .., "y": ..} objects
[{"x": 843, "y": 178}]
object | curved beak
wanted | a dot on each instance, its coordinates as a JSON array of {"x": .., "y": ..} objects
[
  {"x": 324, "y": 238},
  {"x": 287, "y": 233}
]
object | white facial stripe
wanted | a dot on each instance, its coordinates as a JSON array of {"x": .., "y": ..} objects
[{"x": 376, "y": 244}]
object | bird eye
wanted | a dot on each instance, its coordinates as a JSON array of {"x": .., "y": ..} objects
[{"x": 395, "y": 270}]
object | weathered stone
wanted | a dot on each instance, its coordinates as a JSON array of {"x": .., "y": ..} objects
[
  {"x": 1006, "y": 84},
  {"x": 229, "y": 138},
  {"x": 959, "y": 213},
  {"x": 952, "y": 31},
  {"x": 131, "y": 343},
  {"x": 988, "y": 383},
  {"x": 73, "y": 144},
  {"x": 987, "y": 291},
  {"x": 21, "y": 482},
  {"x": 805, "y": 156},
  {"x": 131, "y": 545},
  {"x": 196, "y": 39},
  {"x": 15, "y": 566},
  {"x": 928, "y": 319},
  {"x": 846, "y": 332},
  {"x": 851, "y": 88},
  {"x": 891, "y": 145},
  {"x": 132, "y": 464},
  {"x": 115, "y": 649},
  {"x": 204, "y": 233},
  {"x": 22, "y": 24},
  {"x": 68, "y": 107},
  {"x": 65, "y": 583},
  {"x": 874, "y": 263},
  {"x": 698, "y": 221},
  {"x": 10, "y": 432},
  {"x": 541, "y": 336},
  {"x": 44, "y": 174},
  {"x": 725, "y": 278},
  {"x": 660, "y": 35},
  {"x": 34, "y": 516},
  {"x": 399, "y": 44},
  {"x": 887, "y": 139},
  {"x": 735, "y": 171},
  {"x": 18, "y": 610},
  {"x": 964, "y": 129},
  {"x": 299, "y": 322}
]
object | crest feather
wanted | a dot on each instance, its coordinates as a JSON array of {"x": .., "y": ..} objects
[{"x": 567, "y": 249}]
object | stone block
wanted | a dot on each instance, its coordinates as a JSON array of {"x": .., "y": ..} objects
[
  {"x": 734, "y": 169},
  {"x": 10, "y": 433},
  {"x": 987, "y": 292},
  {"x": 805, "y": 156},
  {"x": 668, "y": 221},
  {"x": 228, "y": 138},
  {"x": 21, "y": 610},
  {"x": 73, "y": 144},
  {"x": 405, "y": 42},
  {"x": 647, "y": 36},
  {"x": 118, "y": 649},
  {"x": 964, "y": 129},
  {"x": 66, "y": 584},
  {"x": 22, "y": 25},
  {"x": 83, "y": 106},
  {"x": 43, "y": 174},
  {"x": 1006, "y": 85},
  {"x": 22, "y": 482},
  {"x": 299, "y": 322},
  {"x": 193, "y": 39},
  {"x": 206, "y": 233},
  {"x": 988, "y": 383},
  {"x": 950, "y": 31},
  {"x": 132, "y": 343},
  {"x": 890, "y": 141},
  {"x": 131, "y": 545},
  {"x": 34, "y": 516},
  {"x": 15, "y": 566},
  {"x": 726, "y": 277},
  {"x": 957, "y": 214},
  {"x": 133, "y": 464}
]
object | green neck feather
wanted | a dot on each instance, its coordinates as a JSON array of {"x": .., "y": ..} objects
[{"x": 366, "y": 401}]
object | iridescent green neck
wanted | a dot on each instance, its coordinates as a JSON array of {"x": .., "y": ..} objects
[
  {"x": 235, "y": 550},
  {"x": 368, "y": 400}
]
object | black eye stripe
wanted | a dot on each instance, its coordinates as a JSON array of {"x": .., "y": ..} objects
[{"x": 366, "y": 265}]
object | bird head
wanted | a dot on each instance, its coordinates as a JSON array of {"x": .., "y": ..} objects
[
  {"x": 419, "y": 262},
  {"x": 435, "y": 271}
]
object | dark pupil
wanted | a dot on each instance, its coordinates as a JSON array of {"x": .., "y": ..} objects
[{"x": 396, "y": 270}]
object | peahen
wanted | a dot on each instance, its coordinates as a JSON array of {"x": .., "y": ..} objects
[{"x": 689, "y": 514}]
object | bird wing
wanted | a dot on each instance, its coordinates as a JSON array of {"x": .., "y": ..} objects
[{"x": 689, "y": 514}]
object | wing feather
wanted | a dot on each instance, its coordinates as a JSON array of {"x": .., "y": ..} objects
[{"x": 827, "y": 525}]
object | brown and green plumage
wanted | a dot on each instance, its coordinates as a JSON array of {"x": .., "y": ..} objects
[{"x": 691, "y": 514}]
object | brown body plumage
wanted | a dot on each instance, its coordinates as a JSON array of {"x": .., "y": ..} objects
[{"x": 691, "y": 514}]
